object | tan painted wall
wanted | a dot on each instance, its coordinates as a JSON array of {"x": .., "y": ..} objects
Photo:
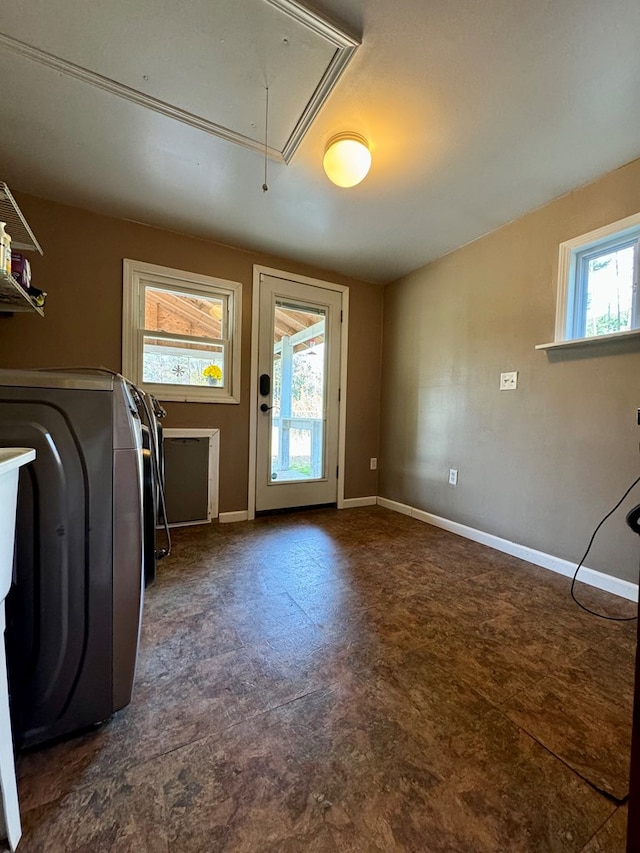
[
  {"x": 540, "y": 465},
  {"x": 82, "y": 272}
]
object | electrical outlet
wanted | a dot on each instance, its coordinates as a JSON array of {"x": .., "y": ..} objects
[
  {"x": 509, "y": 381},
  {"x": 453, "y": 476},
  {"x": 373, "y": 463}
]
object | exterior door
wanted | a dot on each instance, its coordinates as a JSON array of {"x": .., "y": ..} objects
[{"x": 298, "y": 393}]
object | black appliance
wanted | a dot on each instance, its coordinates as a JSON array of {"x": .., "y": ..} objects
[
  {"x": 74, "y": 611},
  {"x": 153, "y": 495}
]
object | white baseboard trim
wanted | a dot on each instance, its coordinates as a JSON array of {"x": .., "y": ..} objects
[
  {"x": 404, "y": 509},
  {"x": 351, "y": 503},
  {"x": 230, "y": 517},
  {"x": 592, "y": 577}
]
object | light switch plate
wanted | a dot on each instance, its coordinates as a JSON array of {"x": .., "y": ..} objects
[{"x": 509, "y": 381}]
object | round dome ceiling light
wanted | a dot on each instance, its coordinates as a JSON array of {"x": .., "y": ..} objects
[{"x": 347, "y": 159}]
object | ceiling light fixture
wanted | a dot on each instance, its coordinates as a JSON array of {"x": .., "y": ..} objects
[{"x": 347, "y": 159}]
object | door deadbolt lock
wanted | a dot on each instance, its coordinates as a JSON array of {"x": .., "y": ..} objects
[{"x": 265, "y": 385}]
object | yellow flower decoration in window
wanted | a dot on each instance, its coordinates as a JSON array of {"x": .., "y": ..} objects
[{"x": 212, "y": 371}]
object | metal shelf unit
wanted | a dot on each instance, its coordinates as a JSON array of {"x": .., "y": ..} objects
[{"x": 12, "y": 296}]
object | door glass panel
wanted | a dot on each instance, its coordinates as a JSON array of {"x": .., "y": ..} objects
[{"x": 298, "y": 414}]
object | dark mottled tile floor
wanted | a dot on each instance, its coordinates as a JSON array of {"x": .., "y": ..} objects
[{"x": 351, "y": 681}]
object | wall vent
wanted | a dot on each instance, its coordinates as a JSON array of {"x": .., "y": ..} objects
[{"x": 191, "y": 459}]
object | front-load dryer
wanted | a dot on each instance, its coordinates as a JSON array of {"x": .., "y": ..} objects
[{"x": 73, "y": 613}]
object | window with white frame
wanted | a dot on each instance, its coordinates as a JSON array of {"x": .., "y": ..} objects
[
  {"x": 598, "y": 282},
  {"x": 181, "y": 333}
]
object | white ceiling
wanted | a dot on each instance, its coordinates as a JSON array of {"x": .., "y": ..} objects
[{"x": 476, "y": 113}]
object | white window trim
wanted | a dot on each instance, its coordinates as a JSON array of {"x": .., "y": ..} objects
[
  {"x": 566, "y": 273},
  {"x": 132, "y": 322}
]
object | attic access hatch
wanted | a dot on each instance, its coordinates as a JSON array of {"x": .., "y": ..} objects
[{"x": 206, "y": 64}]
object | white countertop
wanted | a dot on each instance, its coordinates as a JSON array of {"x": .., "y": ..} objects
[{"x": 14, "y": 457}]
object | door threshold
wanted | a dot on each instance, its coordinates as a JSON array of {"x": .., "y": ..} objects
[{"x": 290, "y": 509}]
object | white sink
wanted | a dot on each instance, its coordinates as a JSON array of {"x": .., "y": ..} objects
[{"x": 11, "y": 458}]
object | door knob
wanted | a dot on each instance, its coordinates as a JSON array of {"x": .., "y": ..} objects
[{"x": 265, "y": 408}]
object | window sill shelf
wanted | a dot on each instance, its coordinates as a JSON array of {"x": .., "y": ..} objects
[
  {"x": 587, "y": 342},
  {"x": 195, "y": 394}
]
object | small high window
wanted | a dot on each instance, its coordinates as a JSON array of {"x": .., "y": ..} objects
[
  {"x": 598, "y": 282},
  {"x": 181, "y": 334}
]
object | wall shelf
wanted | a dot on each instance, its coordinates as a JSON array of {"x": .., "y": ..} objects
[
  {"x": 14, "y": 298},
  {"x": 22, "y": 237}
]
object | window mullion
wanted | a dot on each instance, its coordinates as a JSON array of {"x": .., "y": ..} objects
[{"x": 190, "y": 339}]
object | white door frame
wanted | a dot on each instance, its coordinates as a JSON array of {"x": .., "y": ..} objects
[{"x": 253, "y": 393}]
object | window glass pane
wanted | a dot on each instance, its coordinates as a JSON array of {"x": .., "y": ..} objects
[
  {"x": 182, "y": 363},
  {"x": 297, "y": 423},
  {"x": 609, "y": 291},
  {"x": 183, "y": 314}
]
